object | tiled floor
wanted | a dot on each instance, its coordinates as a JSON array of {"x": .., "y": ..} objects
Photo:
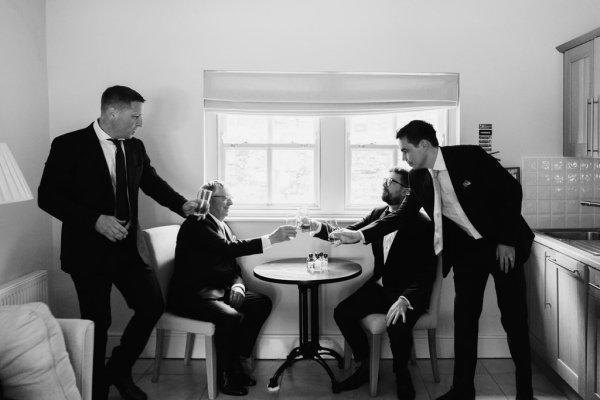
[{"x": 494, "y": 380}]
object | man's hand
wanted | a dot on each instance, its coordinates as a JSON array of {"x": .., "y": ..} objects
[
  {"x": 397, "y": 310},
  {"x": 189, "y": 207},
  {"x": 506, "y": 257},
  {"x": 346, "y": 236},
  {"x": 283, "y": 234},
  {"x": 111, "y": 228},
  {"x": 236, "y": 297}
]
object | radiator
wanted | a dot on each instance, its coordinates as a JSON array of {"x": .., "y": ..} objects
[{"x": 26, "y": 289}]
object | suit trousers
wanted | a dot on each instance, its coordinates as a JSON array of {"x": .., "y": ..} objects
[
  {"x": 236, "y": 330},
  {"x": 138, "y": 284},
  {"x": 471, "y": 272},
  {"x": 372, "y": 298}
]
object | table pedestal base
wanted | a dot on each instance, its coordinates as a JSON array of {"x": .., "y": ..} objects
[{"x": 309, "y": 348}]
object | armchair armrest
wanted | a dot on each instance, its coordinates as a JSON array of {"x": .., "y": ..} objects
[{"x": 79, "y": 339}]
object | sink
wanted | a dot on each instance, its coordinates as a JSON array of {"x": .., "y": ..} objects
[
  {"x": 584, "y": 239},
  {"x": 571, "y": 234}
]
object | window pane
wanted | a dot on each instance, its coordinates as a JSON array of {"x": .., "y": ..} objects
[
  {"x": 368, "y": 169},
  {"x": 293, "y": 176},
  {"x": 245, "y": 129},
  {"x": 246, "y": 175},
  {"x": 294, "y": 130},
  {"x": 372, "y": 129}
]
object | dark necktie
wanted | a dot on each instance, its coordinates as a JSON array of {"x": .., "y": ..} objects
[{"x": 121, "y": 201}]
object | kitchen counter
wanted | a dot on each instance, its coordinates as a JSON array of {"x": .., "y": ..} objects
[{"x": 568, "y": 250}]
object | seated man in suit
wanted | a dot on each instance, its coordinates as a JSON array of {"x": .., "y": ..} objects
[
  {"x": 400, "y": 286},
  {"x": 207, "y": 285}
]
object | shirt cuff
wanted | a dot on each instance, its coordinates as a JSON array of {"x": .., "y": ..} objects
[
  {"x": 319, "y": 227},
  {"x": 266, "y": 243},
  {"x": 409, "y": 306},
  {"x": 362, "y": 237},
  {"x": 239, "y": 287}
]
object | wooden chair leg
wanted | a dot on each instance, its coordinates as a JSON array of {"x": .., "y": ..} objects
[
  {"x": 347, "y": 355},
  {"x": 211, "y": 366},
  {"x": 433, "y": 354},
  {"x": 160, "y": 334},
  {"x": 189, "y": 348},
  {"x": 374, "y": 363}
]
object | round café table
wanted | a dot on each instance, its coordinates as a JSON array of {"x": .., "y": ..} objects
[{"x": 292, "y": 271}]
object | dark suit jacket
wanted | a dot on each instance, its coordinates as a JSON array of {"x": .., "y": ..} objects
[
  {"x": 410, "y": 267},
  {"x": 488, "y": 194},
  {"x": 76, "y": 188},
  {"x": 205, "y": 259}
]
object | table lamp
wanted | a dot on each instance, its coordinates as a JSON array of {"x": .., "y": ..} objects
[{"x": 13, "y": 187}]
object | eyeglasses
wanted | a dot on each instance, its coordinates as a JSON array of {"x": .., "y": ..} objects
[
  {"x": 228, "y": 197},
  {"x": 388, "y": 182}
]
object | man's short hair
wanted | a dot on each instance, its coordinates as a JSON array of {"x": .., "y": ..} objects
[
  {"x": 119, "y": 96},
  {"x": 213, "y": 185},
  {"x": 417, "y": 130},
  {"x": 402, "y": 173}
]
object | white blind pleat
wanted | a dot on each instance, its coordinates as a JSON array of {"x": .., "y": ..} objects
[{"x": 327, "y": 92}]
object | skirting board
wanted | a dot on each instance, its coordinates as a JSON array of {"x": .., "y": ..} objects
[{"x": 278, "y": 346}]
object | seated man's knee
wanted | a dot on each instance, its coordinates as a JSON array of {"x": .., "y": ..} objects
[{"x": 341, "y": 313}]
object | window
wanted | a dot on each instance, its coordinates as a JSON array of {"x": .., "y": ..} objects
[
  {"x": 274, "y": 162},
  {"x": 372, "y": 149},
  {"x": 270, "y": 161}
]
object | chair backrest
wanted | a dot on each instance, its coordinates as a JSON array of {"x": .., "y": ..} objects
[
  {"x": 161, "y": 243},
  {"x": 434, "y": 301}
]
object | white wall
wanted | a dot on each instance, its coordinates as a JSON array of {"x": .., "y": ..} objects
[
  {"x": 25, "y": 231},
  {"x": 510, "y": 76}
]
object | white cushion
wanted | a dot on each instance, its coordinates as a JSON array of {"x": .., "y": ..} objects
[{"x": 34, "y": 363}]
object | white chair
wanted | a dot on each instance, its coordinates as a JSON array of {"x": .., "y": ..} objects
[
  {"x": 375, "y": 327},
  {"x": 161, "y": 243}
]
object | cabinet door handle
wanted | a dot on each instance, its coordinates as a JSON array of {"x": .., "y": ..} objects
[
  {"x": 594, "y": 286},
  {"x": 595, "y": 130},
  {"x": 588, "y": 127}
]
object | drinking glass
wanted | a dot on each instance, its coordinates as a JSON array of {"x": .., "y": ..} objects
[
  {"x": 303, "y": 219},
  {"x": 203, "y": 199},
  {"x": 333, "y": 227},
  {"x": 293, "y": 221}
]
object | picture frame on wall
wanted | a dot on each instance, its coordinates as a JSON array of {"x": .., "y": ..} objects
[{"x": 515, "y": 172}]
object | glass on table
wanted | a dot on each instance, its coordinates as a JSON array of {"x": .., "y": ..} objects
[{"x": 203, "y": 199}]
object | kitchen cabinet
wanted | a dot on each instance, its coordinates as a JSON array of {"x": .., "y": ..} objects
[
  {"x": 581, "y": 96},
  {"x": 593, "y": 336},
  {"x": 558, "y": 313}
]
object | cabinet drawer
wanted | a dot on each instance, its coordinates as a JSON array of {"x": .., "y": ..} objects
[{"x": 594, "y": 282}]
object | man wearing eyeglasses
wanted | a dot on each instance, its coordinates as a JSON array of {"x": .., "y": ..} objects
[
  {"x": 400, "y": 286},
  {"x": 207, "y": 285}
]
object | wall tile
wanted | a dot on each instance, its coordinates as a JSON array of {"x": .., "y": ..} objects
[
  {"x": 572, "y": 221},
  {"x": 572, "y": 192},
  {"x": 572, "y": 178},
  {"x": 557, "y": 207},
  {"x": 557, "y": 221},
  {"x": 586, "y": 221},
  {"x": 530, "y": 192},
  {"x": 572, "y": 207},
  {"x": 543, "y": 221},
  {"x": 572, "y": 164},
  {"x": 531, "y": 220},
  {"x": 530, "y": 179},
  {"x": 544, "y": 165},
  {"x": 529, "y": 207},
  {"x": 543, "y": 206},
  {"x": 544, "y": 192},
  {"x": 558, "y": 164},
  {"x": 544, "y": 178},
  {"x": 557, "y": 192},
  {"x": 529, "y": 165},
  {"x": 586, "y": 165},
  {"x": 558, "y": 178}
]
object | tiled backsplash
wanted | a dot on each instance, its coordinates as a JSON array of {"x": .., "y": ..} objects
[{"x": 553, "y": 188}]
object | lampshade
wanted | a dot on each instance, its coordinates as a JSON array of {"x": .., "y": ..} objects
[{"x": 13, "y": 187}]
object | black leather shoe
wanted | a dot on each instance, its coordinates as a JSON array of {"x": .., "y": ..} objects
[
  {"x": 128, "y": 389},
  {"x": 229, "y": 386},
  {"x": 244, "y": 379},
  {"x": 525, "y": 397},
  {"x": 456, "y": 394},
  {"x": 357, "y": 379},
  {"x": 404, "y": 386}
]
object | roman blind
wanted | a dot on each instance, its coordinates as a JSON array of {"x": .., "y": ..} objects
[{"x": 326, "y": 93}]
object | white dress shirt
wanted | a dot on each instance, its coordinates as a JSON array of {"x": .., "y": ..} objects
[
  {"x": 110, "y": 151},
  {"x": 451, "y": 207}
]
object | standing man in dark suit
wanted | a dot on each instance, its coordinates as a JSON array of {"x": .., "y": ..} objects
[
  {"x": 90, "y": 183},
  {"x": 403, "y": 274},
  {"x": 207, "y": 285},
  {"x": 476, "y": 208}
]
